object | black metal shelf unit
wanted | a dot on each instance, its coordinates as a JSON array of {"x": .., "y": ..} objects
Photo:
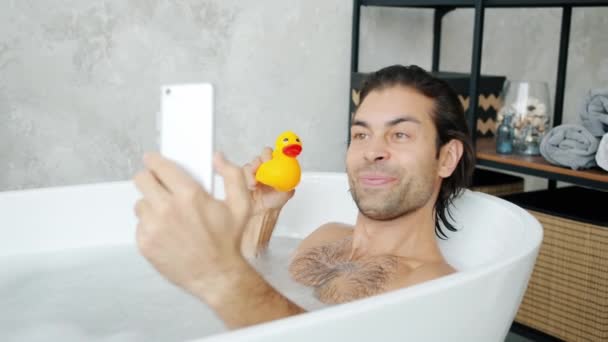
[{"x": 441, "y": 8}]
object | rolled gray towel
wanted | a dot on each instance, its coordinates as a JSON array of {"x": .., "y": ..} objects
[
  {"x": 594, "y": 113},
  {"x": 570, "y": 145},
  {"x": 601, "y": 157}
]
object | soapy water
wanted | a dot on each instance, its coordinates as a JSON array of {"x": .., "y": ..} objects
[{"x": 113, "y": 294}]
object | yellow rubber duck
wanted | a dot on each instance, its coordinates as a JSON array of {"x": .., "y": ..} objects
[{"x": 282, "y": 172}]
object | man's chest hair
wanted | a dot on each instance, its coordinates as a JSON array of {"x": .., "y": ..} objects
[{"x": 337, "y": 279}]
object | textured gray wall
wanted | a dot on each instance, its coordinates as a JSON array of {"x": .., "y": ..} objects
[{"x": 79, "y": 80}]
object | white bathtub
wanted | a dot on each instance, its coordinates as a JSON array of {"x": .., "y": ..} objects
[{"x": 494, "y": 252}]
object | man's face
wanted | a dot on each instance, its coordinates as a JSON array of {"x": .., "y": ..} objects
[{"x": 392, "y": 158}]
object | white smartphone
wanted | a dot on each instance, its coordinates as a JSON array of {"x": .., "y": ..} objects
[{"x": 186, "y": 129}]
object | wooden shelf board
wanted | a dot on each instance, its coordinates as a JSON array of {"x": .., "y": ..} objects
[{"x": 486, "y": 151}]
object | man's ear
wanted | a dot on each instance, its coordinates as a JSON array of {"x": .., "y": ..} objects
[{"x": 449, "y": 156}]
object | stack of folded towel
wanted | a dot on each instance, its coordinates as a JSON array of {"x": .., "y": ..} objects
[
  {"x": 579, "y": 147},
  {"x": 594, "y": 113},
  {"x": 570, "y": 145}
]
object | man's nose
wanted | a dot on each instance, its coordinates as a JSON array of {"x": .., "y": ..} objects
[{"x": 377, "y": 152}]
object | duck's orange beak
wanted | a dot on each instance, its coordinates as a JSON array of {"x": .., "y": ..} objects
[{"x": 292, "y": 150}]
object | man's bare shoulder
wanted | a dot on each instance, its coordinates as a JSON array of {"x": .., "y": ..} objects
[{"x": 325, "y": 234}]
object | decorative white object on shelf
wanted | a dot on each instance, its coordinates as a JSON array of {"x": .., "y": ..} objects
[{"x": 530, "y": 105}]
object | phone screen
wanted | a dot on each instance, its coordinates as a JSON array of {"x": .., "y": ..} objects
[{"x": 186, "y": 129}]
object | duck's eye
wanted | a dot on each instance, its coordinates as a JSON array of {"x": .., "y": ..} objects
[
  {"x": 285, "y": 140},
  {"x": 298, "y": 139}
]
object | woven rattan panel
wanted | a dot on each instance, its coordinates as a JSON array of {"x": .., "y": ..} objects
[{"x": 567, "y": 296}]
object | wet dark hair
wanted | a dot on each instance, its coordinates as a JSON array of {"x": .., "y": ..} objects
[{"x": 450, "y": 123}]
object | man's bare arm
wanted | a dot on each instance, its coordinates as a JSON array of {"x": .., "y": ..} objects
[
  {"x": 258, "y": 232},
  {"x": 193, "y": 240},
  {"x": 243, "y": 298}
]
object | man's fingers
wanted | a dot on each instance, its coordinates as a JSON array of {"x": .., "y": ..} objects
[
  {"x": 250, "y": 170},
  {"x": 142, "y": 208},
  {"x": 266, "y": 154},
  {"x": 235, "y": 185},
  {"x": 139, "y": 208},
  {"x": 255, "y": 164},
  {"x": 175, "y": 179},
  {"x": 142, "y": 238},
  {"x": 150, "y": 188},
  {"x": 145, "y": 215},
  {"x": 249, "y": 176},
  {"x": 291, "y": 193}
]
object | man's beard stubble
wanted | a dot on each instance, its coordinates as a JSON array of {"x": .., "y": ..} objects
[{"x": 387, "y": 204}]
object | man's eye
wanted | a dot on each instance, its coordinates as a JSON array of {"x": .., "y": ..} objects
[
  {"x": 359, "y": 136},
  {"x": 400, "y": 135}
]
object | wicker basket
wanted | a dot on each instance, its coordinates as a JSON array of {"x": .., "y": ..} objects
[{"x": 567, "y": 295}]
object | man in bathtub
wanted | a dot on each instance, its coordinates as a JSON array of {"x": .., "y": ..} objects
[{"x": 410, "y": 154}]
